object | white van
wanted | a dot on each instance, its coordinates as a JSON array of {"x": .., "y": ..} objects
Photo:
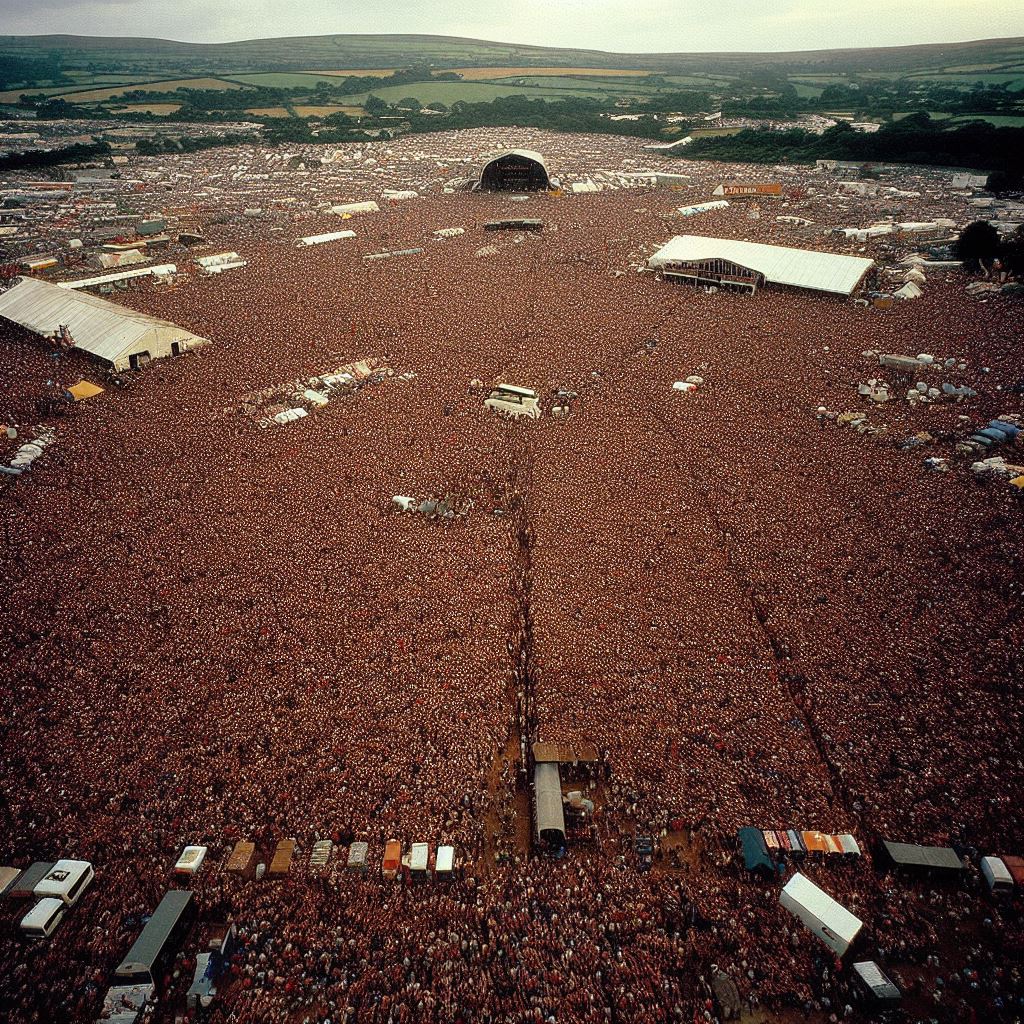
[
  {"x": 444, "y": 862},
  {"x": 66, "y": 880},
  {"x": 43, "y": 919},
  {"x": 419, "y": 860}
]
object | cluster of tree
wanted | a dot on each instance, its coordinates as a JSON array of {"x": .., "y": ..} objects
[
  {"x": 37, "y": 160},
  {"x": 678, "y": 102},
  {"x": 61, "y": 110},
  {"x": 352, "y": 85},
  {"x": 980, "y": 245},
  {"x": 882, "y": 98},
  {"x": 782, "y": 106},
  {"x": 291, "y": 130},
  {"x": 914, "y": 140},
  {"x": 1007, "y": 180},
  {"x": 758, "y": 96},
  {"x": 16, "y": 70}
]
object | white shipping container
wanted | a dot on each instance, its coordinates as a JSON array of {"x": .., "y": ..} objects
[{"x": 821, "y": 915}]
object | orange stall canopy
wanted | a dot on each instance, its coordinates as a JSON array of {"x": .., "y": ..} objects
[
  {"x": 83, "y": 390},
  {"x": 815, "y": 842}
]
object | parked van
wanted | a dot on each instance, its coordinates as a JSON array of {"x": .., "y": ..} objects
[
  {"x": 44, "y": 918},
  {"x": 444, "y": 862},
  {"x": 242, "y": 856},
  {"x": 320, "y": 856},
  {"x": 357, "y": 856},
  {"x": 191, "y": 860},
  {"x": 8, "y": 876},
  {"x": 879, "y": 990},
  {"x": 419, "y": 861},
  {"x": 281, "y": 863},
  {"x": 514, "y": 401},
  {"x": 24, "y": 887},
  {"x": 392, "y": 859},
  {"x": 66, "y": 880},
  {"x": 997, "y": 875}
]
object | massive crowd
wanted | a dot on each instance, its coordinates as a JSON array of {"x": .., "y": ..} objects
[{"x": 214, "y": 631}]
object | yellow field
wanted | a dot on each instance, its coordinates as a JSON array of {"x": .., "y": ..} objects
[
  {"x": 148, "y": 108},
  {"x": 304, "y": 111},
  {"x": 355, "y": 73},
  {"x": 268, "y": 111},
  {"x": 482, "y": 74},
  {"x": 178, "y": 83}
]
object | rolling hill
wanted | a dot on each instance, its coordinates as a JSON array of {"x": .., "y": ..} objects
[{"x": 161, "y": 56}]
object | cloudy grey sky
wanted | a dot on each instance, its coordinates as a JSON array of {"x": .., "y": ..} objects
[{"x": 622, "y": 25}]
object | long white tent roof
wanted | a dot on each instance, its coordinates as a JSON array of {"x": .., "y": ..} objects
[
  {"x": 330, "y": 236},
  {"x": 797, "y": 268},
  {"x": 122, "y": 275},
  {"x": 100, "y": 328}
]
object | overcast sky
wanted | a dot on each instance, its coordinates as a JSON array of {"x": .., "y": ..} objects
[{"x": 621, "y": 25}]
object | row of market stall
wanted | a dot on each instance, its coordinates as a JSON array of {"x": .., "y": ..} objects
[
  {"x": 420, "y": 862},
  {"x": 764, "y": 848}
]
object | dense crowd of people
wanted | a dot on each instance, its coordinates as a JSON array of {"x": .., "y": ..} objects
[{"x": 215, "y": 631}]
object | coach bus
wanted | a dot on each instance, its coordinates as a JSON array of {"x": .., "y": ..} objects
[
  {"x": 155, "y": 948},
  {"x": 65, "y": 881}
]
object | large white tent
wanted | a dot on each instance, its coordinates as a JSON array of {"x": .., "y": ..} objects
[
  {"x": 776, "y": 264},
  {"x": 118, "y": 336}
]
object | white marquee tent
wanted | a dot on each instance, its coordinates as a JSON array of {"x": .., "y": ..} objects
[
  {"x": 796, "y": 268},
  {"x": 116, "y": 335}
]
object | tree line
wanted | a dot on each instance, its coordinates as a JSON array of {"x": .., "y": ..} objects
[{"x": 916, "y": 139}]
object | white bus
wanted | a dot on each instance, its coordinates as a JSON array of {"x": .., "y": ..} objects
[
  {"x": 66, "y": 881},
  {"x": 42, "y": 920}
]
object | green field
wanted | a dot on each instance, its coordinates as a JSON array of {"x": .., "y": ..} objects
[
  {"x": 712, "y": 133},
  {"x": 697, "y": 81},
  {"x": 996, "y": 120},
  {"x": 11, "y": 95},
  {"x": 1013, "y": 79},
  {"x": 89, "y": 94},
  {"x": 564, "y": 85}
]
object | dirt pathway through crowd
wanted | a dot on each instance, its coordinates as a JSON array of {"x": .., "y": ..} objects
[
  {"x": 507, "y": 829},
  {"x": 791, "y": 680},
  {"x": 620, "y": 366}
]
